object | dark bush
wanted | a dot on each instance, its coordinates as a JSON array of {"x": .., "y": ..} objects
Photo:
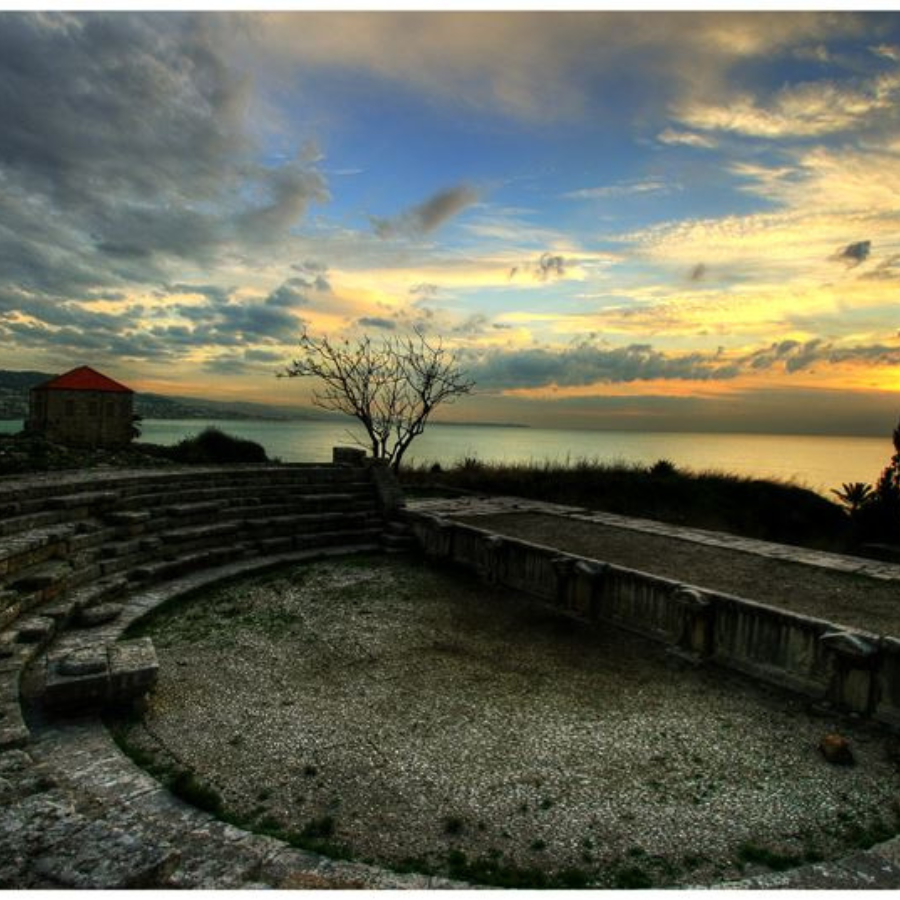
[
  {"x": 215, "y": 446},
  {"x": 662, "y": 468},
  {"x": 874, "y": 513}
]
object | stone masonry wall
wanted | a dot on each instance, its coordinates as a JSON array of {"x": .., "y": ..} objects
[
  {"x": 83, "y": 418},
  {"x": 850, "y": 670}
]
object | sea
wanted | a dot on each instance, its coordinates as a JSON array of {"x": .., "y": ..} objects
[{"x": 819, "y": 463}]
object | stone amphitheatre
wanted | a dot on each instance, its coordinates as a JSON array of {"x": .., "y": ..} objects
[{"x": 286, "y": 676}]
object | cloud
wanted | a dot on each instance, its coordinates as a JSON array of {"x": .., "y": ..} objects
[
  {"x": 314, "y": 275},
  {"x": 644, "y": 186},
  {"x": 887, "y": 269},
  {"x": 550, "y": 265},
  {"x": 797, "y": 356},
  {"x": 686, "y": 139},
  {"x": 125, "y": 152},
  {"x": 810, "y": 109},
  {"x": 887, "y": 51},
  {"x": 212, "y": 292},
  {"x": 241, "y": 363},
  {"x": 540, "y": 67},
  {"x": 854, "y": 254},
  {"x": 290, "y": 294},
  {"x": 428, "y": 215},
  {"x": 289, "y": 190},
  {"x": 377, "y": 322},
  {"x": 472, "y": 325},
  {"x": 697, "y": 273},
  {"x": 585, "y": 363}
]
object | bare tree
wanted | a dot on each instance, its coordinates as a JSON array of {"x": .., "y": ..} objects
[{"x": 391, "y": 386}]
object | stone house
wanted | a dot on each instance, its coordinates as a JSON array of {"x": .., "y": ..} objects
[{"x": 83, "y": 408}]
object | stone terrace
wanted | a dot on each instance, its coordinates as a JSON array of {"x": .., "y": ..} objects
[{"x": 82, "y": 556}]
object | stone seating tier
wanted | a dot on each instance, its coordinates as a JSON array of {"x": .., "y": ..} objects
[{"x": 72, "y": 549}]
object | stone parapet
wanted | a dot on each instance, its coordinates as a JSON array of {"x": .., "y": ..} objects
[{"x": 846, "y": 669}]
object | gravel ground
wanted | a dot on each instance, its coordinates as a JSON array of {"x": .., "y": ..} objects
[
  {"x": 422, "y": 715},
  {"x": 856, "y": 601}
]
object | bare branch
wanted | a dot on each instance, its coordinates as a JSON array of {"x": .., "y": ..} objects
[{"x": 391, "y": 388}]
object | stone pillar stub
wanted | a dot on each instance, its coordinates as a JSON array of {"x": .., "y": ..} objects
[
  {"x": 390, "y": 495},
  {"x": 348, "y": 456},
  {"x": 493, "y": 559},
  {"x": 854, "y": 663},
  {"x": 586, "y": 591},
  {"x": 696, "y": 613}
]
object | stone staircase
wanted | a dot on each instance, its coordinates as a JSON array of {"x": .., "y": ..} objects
[{"x": 73, "y": 548}]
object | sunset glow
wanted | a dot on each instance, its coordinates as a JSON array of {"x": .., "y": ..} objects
[{"x": 696, "y": 212}]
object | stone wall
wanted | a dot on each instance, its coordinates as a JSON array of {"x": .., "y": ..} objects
[
  {"x": 82, "y": 418},
  {"x": 848, "y": 670}
]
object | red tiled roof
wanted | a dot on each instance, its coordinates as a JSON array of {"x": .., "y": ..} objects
[{"x": 84, "y": 378}]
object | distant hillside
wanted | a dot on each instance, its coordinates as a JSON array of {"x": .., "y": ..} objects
[{"x": 14, "y": 387}]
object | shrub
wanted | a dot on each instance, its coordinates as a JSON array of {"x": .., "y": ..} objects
[
  {"x": 875, "y": 513},
  {"x": 215, "y": 446},
  {"x": 662, "y": 468}
]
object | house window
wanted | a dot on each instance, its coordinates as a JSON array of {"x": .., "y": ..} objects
[
  {"x": 92, "y": 408},
  {"x": 70, "y": 407}
]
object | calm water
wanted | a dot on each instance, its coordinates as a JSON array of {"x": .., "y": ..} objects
[{"x": 819, "y": 463}]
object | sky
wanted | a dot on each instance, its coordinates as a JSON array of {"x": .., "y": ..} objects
[{"x": 638, "y": 220}]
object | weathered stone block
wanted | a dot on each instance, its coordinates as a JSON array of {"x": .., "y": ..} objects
[
  {"x": 586, "y": 588},
  {"x": 850, "y": 646},
  {"x": 348, "y": 456},
  {"x": 7, "y": 646},
  {"x": 76, "y": 679},
  {"x": 98, "y": 676},
  {"x": 133, "y": 669},
  {"x": 35, "y": 629},
  {"x": 696, "y": 636},
  {"x": 563, "y": 567},
  {"x": 854, "y": 660},
  {"x": 390, "y": 495},
  {"x": 100, "y": 614}
]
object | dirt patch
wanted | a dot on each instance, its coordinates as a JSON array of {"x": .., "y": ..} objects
[
  {"x": 416, "y": 718},
  {"x": 855, "y": 601}
]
